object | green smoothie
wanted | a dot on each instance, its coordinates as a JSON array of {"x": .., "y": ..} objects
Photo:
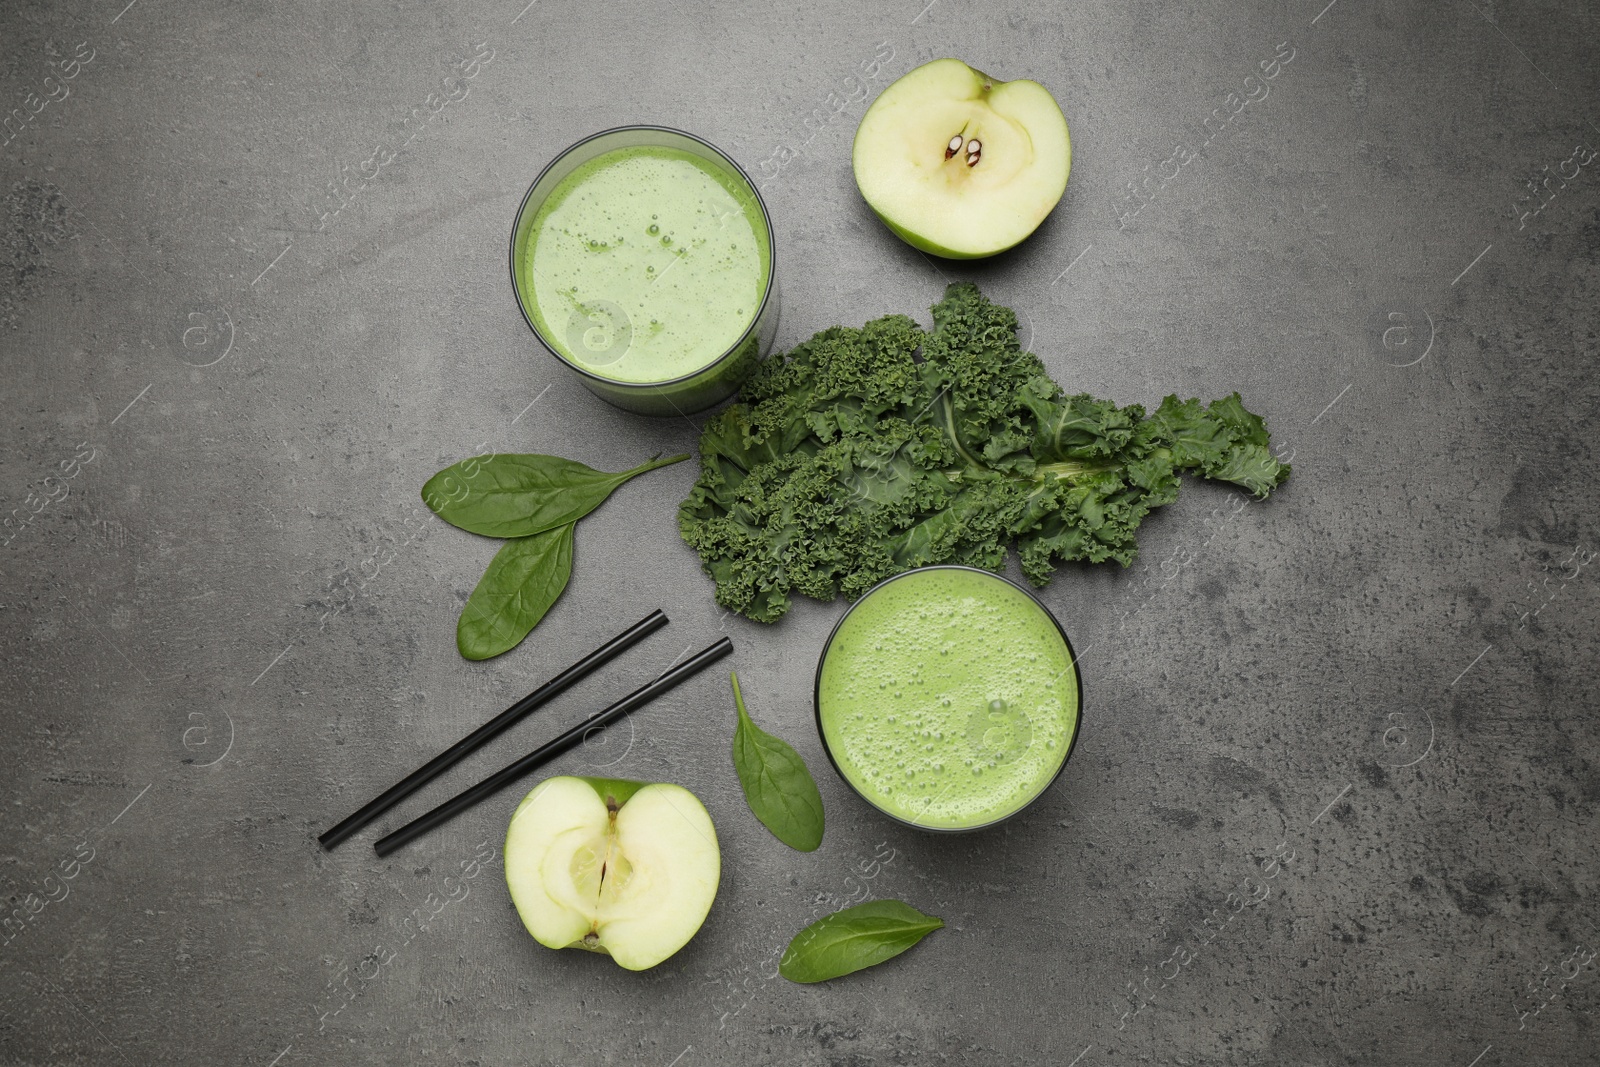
[
  {"x": 646, "y": 264},
  {"x": 948, "y": 698}
]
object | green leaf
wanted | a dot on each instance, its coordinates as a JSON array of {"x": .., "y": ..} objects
[
  {"x": 864, "y": 452},
  {"x": 521, "y": 583},
  {"x": 523, "y": 495},
  {"x": 854, "y": 938},
  {"x": 777, "y": 786}
]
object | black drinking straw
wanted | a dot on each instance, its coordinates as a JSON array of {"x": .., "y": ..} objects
[
  {"x": 550, "y": 750},
  {"x": 452, "y": 755}
]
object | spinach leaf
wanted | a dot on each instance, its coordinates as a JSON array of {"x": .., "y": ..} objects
[
  {"x": 522, "y": 495},
  {"x": 854, "y": 938},
  {"x": 523, "y": 580},
  {"x": 777, "y": 786}
]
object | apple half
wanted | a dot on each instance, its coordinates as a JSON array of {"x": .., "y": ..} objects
[
  {"x": 612, "y": 866},
  {"x": 959, "y": 164}
]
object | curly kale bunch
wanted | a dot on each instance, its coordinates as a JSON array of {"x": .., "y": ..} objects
[{"x": 866, "y": 452}]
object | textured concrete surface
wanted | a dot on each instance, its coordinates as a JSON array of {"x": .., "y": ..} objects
[{"x": 1354, "y": 727}]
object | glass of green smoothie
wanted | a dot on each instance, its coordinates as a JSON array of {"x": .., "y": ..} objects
[
  {"x": 948, "y": 698},
  {"x": 642, "y": 258}
]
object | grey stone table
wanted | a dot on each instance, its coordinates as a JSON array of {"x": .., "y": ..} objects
[{"x": 226, "y": 619}]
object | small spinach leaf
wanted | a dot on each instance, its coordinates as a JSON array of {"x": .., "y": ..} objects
[
  {"x": 523, "y": 495},
  {"x": 523, "y": 580},
  {"x": 854, "y": 938},
  {"x": 777, "y": 786}
]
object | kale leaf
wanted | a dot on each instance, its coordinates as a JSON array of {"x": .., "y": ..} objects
[{"x": 866, "y": 452}]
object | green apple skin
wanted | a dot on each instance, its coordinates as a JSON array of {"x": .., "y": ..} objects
[
  {"x": 619, "y": 789},
  {"x": 1043, "y": 118},
  {"x": 933, "y": 248},
  {"x": 675, "y": 858}
]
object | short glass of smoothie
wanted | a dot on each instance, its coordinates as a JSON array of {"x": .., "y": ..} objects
[
  {"x": 948, "y": 698},
  {"x": 642, "y": 258}
]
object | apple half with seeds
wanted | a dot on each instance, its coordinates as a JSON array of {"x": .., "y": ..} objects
[
  {"x": 612, "y": 866},
  {"x": 959, "y": 164}
]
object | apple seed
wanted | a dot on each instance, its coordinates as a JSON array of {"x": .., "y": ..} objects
[
  {"x": 954, "y": 146},
  {"x": 974, "y": 152}
]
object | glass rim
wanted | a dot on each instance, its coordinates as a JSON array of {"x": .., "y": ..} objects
[
  {"x": 755, "y": 318},
  {"x": 1077, "y": 722}
]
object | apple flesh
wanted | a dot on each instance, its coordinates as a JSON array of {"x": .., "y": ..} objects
[
  {"x": 959, "y": 164},
  {"x": 612, "y": 866}
]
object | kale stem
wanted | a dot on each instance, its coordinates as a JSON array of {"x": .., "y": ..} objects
[
  {"x": 955, "y": 439},
  {"x": 1065, "y": 470}
]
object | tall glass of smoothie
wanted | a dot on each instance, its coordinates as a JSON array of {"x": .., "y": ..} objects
[
  {"x": 642, "y": 258},
  {"x": 948, "y": 698}
]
